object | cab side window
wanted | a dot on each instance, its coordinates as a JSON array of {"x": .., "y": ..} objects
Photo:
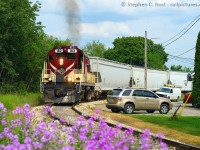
[
  {"x": 171, "y": 91},
  {"x": 138, "y": 93},
  {"x": 51, "y": 57}
]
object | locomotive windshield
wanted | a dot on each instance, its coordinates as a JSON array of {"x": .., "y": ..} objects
[{"x": 66, "y": 55}]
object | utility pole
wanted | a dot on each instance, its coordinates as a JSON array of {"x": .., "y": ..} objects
[{"x": 145, "y": 61}]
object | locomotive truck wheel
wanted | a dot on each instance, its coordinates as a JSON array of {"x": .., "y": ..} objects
[
  {"x": 164, "y": 109},
  {"x": 129, "y": 108}
]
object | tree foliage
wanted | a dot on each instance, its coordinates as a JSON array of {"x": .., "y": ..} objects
[
  {"x": 180, "y": 68},
  {"x": 196, "y": 81},
  {"x": 131, "y": 50},
  {"x": 23, "y": 46},
  {"x": 19, "y": 33},
  {"x": 95, "y": 48}
]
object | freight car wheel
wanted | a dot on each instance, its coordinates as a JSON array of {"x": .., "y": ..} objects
[{"x": 129, "y": 108}]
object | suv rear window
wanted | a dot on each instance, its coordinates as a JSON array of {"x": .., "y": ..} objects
[
  {"x": 116, "y": 92},
  {"x": 126, "y": 93}
]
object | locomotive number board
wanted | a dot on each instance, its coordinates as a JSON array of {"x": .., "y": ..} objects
[
  {"x": 59, "y": 50},
  {"x": 72, "y": 50}
]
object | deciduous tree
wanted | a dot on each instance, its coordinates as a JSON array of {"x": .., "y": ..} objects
[
  {"x": 19, "y": 39},
  {"x": 131, "y": 50},
  {"x": 94, "y": 48}
]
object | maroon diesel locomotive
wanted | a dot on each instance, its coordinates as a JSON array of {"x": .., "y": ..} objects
[{"x": 66, "y": 76}]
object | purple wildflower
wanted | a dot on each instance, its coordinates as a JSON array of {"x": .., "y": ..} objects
[
  {"x": 4, "y": 122},
  {"x": 28, "y": 140},
  {"x": 26, "y": 107},
  {"x": 62, "y": 121},
  {"x": 37, "y": 145},
  {"x": 18, "y": 110},
  {"x": 68, "y": 148},
  {"x": 47, "y": 109},
  {"x": 1, "y": 106}
]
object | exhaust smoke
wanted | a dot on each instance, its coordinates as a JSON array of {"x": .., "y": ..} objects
[{"x": 73, "y": 20}]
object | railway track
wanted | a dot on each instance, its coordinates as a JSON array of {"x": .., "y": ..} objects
[{"x": 73, "y": 113}]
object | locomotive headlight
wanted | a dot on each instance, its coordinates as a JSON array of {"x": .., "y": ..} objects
[
  {"x": 61, "y": 61},
  {"x": 50, "y": 79},
  {"x": 69, "y": 79}
]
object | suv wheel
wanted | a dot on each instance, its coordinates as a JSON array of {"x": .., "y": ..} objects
[
  {"x": 129, "y": 108},
  {"x": 115, "y": 110},
  {"x": 164, "y": 109},
  {"x": 150, "y": 111}
]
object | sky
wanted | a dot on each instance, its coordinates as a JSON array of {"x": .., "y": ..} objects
[{"x": 173, "y": 23}]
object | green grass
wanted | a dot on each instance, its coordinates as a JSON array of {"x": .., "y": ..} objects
[
  {"x": 186, "y": 124},
  {"x": 12, "y": 101}
]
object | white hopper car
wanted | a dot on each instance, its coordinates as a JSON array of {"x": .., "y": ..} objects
[{"x": 111, "y": 74}]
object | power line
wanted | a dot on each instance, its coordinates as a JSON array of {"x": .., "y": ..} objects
[
  {"x": 182, "y": 29},
  {"x": 182, "y": 54},
  {"x": 174, "y": 57},
  {"x": 191, "y": 63},
  {"x": 183, "y": 33}
]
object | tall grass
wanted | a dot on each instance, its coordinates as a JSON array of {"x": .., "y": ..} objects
[{"x": 11, "y": 101}]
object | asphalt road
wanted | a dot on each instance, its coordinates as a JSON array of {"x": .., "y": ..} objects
[{"x": 188, "y": 110}]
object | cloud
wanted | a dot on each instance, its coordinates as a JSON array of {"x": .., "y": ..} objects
[
  {"x": 106, "y": 20},
  {"x": 105, "y": 29}
]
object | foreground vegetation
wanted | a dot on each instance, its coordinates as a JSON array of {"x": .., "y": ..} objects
[
  {"x": 186, "y": 124},
  {"x": 24, "y": 133},
  {"x": 11, "y": 101}
]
